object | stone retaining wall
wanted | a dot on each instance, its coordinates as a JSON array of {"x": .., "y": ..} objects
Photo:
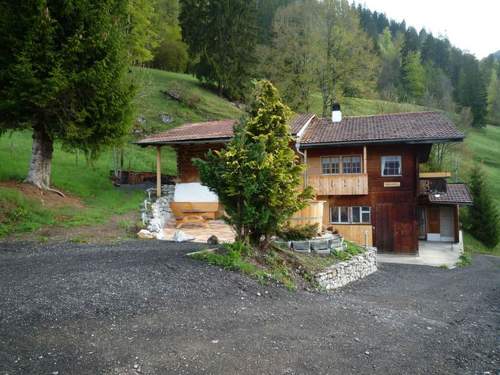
[{"x": 343, "y": 273}]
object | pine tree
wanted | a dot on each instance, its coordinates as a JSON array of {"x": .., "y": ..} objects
[
  {"x": 483, "y": 216},
  {"x": 257, "y": 175},
  {"x": 222, "y": 37},
  {"x": 63, "y": 75}
]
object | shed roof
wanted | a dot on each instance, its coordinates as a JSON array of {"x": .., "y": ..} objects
[{"x": 455, "y": 194}]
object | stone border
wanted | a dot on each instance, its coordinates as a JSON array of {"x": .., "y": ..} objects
[{"x": 343, "y": 273}]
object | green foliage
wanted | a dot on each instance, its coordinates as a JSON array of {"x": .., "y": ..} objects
[
  {"x": 257, "y": 175},
  {"x": 474, "y": 246},
  {"x": 483, "y": 219},
  {"x": 464, "y": 260},
  {"x": 494, "y": 99},
  {"x": 221, "y": 36},
  {"x": 413, "y": 76},
  {"x": 471, "y": 90},
  {"x": 63, "y": 70},
  {"x": 298, "y": 233}
]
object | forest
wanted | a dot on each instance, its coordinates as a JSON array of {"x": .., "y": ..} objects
[{"x": 333, "y": 47}]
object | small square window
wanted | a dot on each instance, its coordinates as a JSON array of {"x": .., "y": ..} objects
[
  {"x": 344, "y": 214},
  {"x": 365, "y": 215},
  {"x": 334, "y": 215},
  {"x": 330, "y": 165},
  {"x": 391, "y": 165}
]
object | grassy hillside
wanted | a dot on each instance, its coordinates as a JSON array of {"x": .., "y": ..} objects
[{"x": 484, "y": 147}]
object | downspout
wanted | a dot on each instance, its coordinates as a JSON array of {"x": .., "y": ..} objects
[{"x": 304, "y": 158}]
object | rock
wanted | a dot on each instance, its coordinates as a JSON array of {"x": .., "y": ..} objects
[
  {"x": 213, "y": 240},
  {"x": 180, "y": 236},
  {"x": 145, "y": 234}
]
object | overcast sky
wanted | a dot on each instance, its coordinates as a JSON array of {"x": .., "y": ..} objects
[{"x": 470, "y": 25}]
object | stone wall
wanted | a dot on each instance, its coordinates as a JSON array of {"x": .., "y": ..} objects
[
  {"x": 343, "y": 273},
  {"x": 156, "y": 213}
]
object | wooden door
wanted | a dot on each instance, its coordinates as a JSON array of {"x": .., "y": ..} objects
[
  {"x": 383, "y": 228},
  {"x": 422, "y": 226}
]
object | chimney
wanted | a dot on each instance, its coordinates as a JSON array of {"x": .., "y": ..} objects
[{"x": 336, "y": 114}]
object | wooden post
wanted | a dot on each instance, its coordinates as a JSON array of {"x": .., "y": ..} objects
[
  {"x": 158, "y": 171},
  {"x": 364, "y": 160}
]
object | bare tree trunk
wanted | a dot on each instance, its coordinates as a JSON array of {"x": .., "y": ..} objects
[{"x": 41, "y": 159}]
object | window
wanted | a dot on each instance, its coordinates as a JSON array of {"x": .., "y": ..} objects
[
  {"x": 341, "y": 164},
  {"x": 330, "y": 165},
  {"x": 351, "y": 164},
  {"x": 360, "y": 215},
  {"x": 391, "y": 165},
  {"x": 348, "y": 215}
]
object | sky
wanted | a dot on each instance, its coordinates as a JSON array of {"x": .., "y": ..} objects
[{"x": 473, "y": 26}]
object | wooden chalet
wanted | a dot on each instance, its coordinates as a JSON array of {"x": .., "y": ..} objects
[{"x": 364, "y": 170}]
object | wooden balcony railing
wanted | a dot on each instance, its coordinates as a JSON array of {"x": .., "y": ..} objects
[{"x": 343, "y": 184}]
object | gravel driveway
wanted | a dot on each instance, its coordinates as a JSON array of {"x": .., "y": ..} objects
[{"x": 144, "y": 308}]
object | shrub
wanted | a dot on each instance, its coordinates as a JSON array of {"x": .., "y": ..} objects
[{"x": 298, "y": 233}]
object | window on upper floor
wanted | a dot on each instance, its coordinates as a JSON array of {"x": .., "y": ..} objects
[
  {"x": 341, "y": 164},
  {"x": 351, "y": 164},
  {"x": 330, "y": 165},
  {"x": 391, "y": 165}
]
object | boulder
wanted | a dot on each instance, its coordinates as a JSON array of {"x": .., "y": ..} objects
[
  {"x": 145, "y": 234},
  {"x": 213, "y": 240}
]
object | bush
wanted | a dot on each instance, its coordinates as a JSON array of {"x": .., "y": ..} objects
[{"x": 298, "y": 233}]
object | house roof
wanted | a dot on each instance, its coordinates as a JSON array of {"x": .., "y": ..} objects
[
  {"x": 455, "y": 194},
  {"x": 413, "y": 127},
  {"x": 217, "y": 131}
]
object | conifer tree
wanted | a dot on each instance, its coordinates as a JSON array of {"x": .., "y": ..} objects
[
  {"x": 257, "y": 175},
  {"x": 483, "y": 217},
  {"x": 413, "y": 76},
  {"x": 63, "y": 67}
]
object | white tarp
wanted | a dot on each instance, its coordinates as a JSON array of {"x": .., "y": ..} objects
[{"x": 194, "y": 192}]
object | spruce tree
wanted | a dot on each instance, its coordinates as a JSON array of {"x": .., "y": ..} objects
[
  {"x": 63, "y": 68},
  {"x": 257, "y": 175},
  {"x": 413, "y": 76},
  {"x": 484, "y": 220}
]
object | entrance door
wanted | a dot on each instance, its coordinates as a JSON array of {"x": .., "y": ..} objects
[
  {"x": 446, "y": 221},
  {"x": 422, "y": 232}
]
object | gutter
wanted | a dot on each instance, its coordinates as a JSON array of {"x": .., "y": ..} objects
[{"x": 297, "y": 146}]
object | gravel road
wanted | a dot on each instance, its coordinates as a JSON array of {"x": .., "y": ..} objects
[{"x": 145, "y": 308}]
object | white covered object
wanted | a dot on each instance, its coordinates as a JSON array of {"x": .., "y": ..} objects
[
  {"x": 194, "y": 192},
  {"x": 180, "y": 236}
]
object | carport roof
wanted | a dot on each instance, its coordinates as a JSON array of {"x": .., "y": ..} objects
[{"x": 455, "y": 194}]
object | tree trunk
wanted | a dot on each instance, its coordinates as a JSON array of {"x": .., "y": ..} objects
[{"x": 41, "y": 159}]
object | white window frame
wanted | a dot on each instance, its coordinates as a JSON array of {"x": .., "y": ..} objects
[
  {"x": 391, "y": 158},
  {"x": 362, "y": 210}
]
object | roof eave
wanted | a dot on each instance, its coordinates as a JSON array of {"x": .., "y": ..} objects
[
  {"x": 183, "y": 142},
  {"x": 383, "y": 141}
]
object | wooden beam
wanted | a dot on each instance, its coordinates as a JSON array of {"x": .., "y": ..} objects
[
  {"x": 158, "y": 171},
  {"x": 364, "y": 159}
]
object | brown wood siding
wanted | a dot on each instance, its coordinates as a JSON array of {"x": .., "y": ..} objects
[
  {"x": 186, "y": 171},
  {"x": 394, "y": 209},
  {"x": 433, "y": 219}
]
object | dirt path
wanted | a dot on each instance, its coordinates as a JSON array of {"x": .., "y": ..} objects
[{"x": 142, "y": 307}]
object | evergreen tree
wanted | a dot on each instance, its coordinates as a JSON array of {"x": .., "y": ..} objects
[
  {"x": 63, "y": 75},
  {"x": 257, "y": 175},
  {"x": 483, "y": 217},
  {"x": 472, "y": 90},
  {"x": 222, "y": 37},
  {"x": 413, "y": 76}
]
